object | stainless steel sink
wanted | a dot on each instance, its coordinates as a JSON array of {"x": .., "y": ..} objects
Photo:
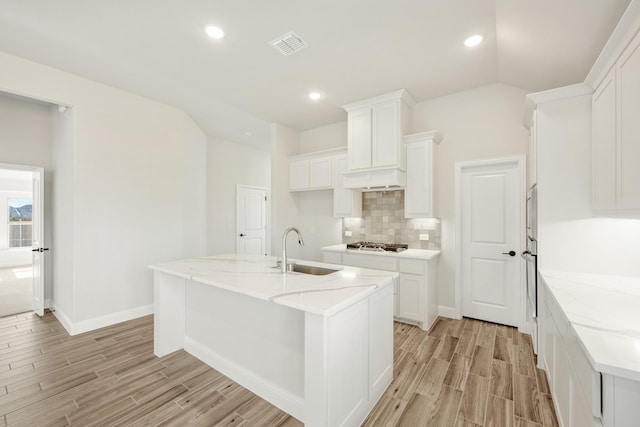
[{"x": 307, "y": 269}]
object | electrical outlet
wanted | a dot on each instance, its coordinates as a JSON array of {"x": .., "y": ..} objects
[
  {"x": 424, "y": 236},
  {"x": 348, "y": 233}
]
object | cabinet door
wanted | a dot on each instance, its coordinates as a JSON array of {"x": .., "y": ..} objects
[
  {"x": 418, "y": 192},
  {"x": 548, "y": 343},
  {"x": 561, "y": 387},
  {"x": 628, "y": 153},
  {"x": 604, "y": 144},
  {"x": 579, "y": 412},
  {"x": 409, "y": 296},
  {"x": 386, "y": 139},
  {"x": 359, "y": 138},
  {"x": 299, "y": 175},
  {"x": 320, "y": 175},
  {"x": 346, "y": 203}
]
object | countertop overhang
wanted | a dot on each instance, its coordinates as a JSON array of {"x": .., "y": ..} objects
[
  {"x": 604, "y": 312},
  {"x": 257, "y": 276}
]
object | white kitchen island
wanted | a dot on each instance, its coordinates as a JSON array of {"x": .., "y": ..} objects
[{"x": 318, "y": 347}]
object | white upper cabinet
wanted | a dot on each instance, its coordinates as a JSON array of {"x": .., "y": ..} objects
[
  {"x": 603, "y": 109},
  {"x": 359, "y": 138},
  {"x": 386, "y": 138},
  {"x": 628, "y": 153},
  {"x": 312, "y": 171},
  {"x": 375, "y": 130},
  {"x": 616, "y": 134},
  {"x": 346, "y": 203},
  {"x": 298, "y": 175},
  {"x": 419, "y": 193},
  {"x": 320, "y": 172}
]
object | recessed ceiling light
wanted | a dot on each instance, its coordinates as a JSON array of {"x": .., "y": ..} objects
[
  {"x": 474, "y": 40},
  {"x": 314, "y": 96},
  {"x": 214, "y": 32}
]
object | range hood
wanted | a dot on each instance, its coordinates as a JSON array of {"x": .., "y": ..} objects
[{"x": 374, "y": 179}]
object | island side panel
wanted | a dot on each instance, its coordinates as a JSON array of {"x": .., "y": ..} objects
[
  {"x": 380, "y": 342},
  {"x": 256, "y": 343},
  {"x": 349, "y": 361},
  {"x": 168, "y": 313}
]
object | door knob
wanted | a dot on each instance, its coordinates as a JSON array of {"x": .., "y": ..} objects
[
  {"x": 510, "y": 253},
  {"x": 242, "y": 234}
]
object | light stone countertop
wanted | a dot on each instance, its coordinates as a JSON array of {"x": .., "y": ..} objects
[
  {"x": 425, "y": 254},
  {"x": 255, "y": 276},
  {"x": 604, "y": 312}
]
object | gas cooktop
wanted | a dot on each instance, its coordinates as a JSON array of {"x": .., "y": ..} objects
[{"x": 378, "y": 247}]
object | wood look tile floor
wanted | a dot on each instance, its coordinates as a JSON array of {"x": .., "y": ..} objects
[{"x": 462, "y": 373}]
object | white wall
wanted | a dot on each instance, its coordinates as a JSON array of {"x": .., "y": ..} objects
[
  {"x": 481, "y": 123},
  {"x": 229, "y": 164},
  {"x": 323, "y": 138},
  {"x": 128, "y": 186},
  {"x": 570, "y": 237},
  {"x": 194, "y": 203},
  {"x": 26, "y": 139},
  {"x": 285, "y": 142}
]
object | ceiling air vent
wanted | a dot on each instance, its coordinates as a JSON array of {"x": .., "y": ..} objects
[{"x": 288, "y": 43}]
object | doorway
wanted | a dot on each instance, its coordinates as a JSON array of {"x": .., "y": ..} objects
[
  {"x": 489, "y": 223},
  {"x": 21, "y": 212},
  {"x": 251, "y": 220}
]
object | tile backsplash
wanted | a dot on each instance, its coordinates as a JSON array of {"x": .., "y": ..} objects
[{"x": 383, "y": 221}]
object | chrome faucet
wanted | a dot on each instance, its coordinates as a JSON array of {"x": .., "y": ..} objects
[{"x": 283, "y": 260}]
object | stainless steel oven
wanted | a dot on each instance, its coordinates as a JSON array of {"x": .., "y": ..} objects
[
  {"x": 531, "y": 256},
  {"x": 531, "y": 252}
]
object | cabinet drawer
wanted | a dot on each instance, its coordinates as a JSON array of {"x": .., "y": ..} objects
[
  {"x": 370, "y": 261},
  {"x": 412, "y": 266}
]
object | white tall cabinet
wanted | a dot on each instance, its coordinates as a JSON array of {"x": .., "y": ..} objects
[{"x": 616, "y": 132}]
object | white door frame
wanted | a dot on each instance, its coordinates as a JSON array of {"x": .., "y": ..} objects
[
  {"x": 520, "y": 162},
  {"x": 268, "y": 213},
  {"x": 41, "y": 283}
]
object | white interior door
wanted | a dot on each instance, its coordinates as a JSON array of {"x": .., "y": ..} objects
[
  {"x": 491, "y": 229},
  {"x": 251, "y": 224},
  {"x": 38, "y": 242}
]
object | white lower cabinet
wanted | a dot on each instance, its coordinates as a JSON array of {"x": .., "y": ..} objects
[
  {"x": 575, "y": 387},
  {"x": 409, "y": 296},
  {"x": 583, "y": 397},
  {"x": 415, "y": 292}
]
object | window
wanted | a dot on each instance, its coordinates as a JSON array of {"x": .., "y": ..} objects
[{"x": 20, "y": 224}]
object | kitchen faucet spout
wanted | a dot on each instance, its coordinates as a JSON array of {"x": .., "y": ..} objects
[{"x": 283, "y": 260}]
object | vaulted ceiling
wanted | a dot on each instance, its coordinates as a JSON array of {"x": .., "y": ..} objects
[{"x": 356, "y": 49}]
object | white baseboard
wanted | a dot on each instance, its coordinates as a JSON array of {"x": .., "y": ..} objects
[
  {"x": 75, "y": 328},
  {"x": 62, "y": 318},
  {"x": 446, "y": 311},
  {"x": 284, "y": 400}
]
